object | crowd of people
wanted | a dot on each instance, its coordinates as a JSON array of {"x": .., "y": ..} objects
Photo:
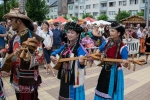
[{"x": 67, "y": 40}]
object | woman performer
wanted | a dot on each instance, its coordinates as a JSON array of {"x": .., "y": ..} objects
[
  {"x": 71, "y": 73},
  {"x": 147, "y": 45},
  {"x": 111, "y": 82}
]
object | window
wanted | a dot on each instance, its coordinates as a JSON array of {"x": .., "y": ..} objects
[
  {"x": 81, "y": 7},
  {"x": 143, "y": 1},
  {"x": 122, "y": 3},
  {"x": 81, "y": 14},
  {"x": 112, "y": 4},
  {"x": 133, "y": 2},
  {"x": 95, "y": 13},
  {"x": 55, "y": 16},
  {"x": 133, "y": 12},
  {"x": 81, "y": 0},
  {"x": 47, "y": 0},
  {"x": 95, "y": 5},
  {"x": 51, "y": 10},
  {"x": 103, "y": 12},
  {"x": 70, "y": 15},
  {"x": 76, "y": 15},
  {"x": 55, "y": 9},
  {"x": 70, "y": 7},
  {"x": 51, "y": 17},
  {"x": 103, "y": 4},
  {"x": 88, "y": 6},
  {"x": 112, "y": 12},
  {"x": 76, "y": 7}
]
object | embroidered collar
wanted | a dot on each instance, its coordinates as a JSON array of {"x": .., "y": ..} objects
[{"x": 23, "y": 32}]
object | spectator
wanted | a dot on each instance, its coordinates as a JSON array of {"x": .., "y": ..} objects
[
  {"x": 106, "y": 33},
  {"x": 101, "y": 28},
  {"x": 2, "y": 35},
  {"x": 64, "y": 35},
  {"x": 87, "y": 41},
  {"x": 36, "y": 29},
  {"x": 86, "y": 31},
  {"x": 134, "y": 35},
  {"x": 139, "y": 31},
  {"x": 144, "y": 33},
  {"x": 57, "y": 36},
  {"x": 147, "y": 45},
  {"x": 47, "y": 45}
]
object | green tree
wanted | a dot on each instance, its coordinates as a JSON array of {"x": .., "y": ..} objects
[
  {"x": 87, "y": 15},
  {"x": 37, "y": 10},
  {"x": 103, "y": 17},
  {"x": 140, "y": 13},
  {"x": 123, "y": 14},
  {"x": 65, "y": 17},
  {"x": 9, "y": 5},
  {"x": 74, "y": 18}
]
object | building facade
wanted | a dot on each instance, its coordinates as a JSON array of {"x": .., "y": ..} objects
[{"x": 97, "y": 7}]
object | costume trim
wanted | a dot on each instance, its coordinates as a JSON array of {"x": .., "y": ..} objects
[
  {"x": 102, "y": 94},
  {"x": 62, "y": 98}
]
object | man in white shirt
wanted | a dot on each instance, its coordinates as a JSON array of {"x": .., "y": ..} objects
[
  {"x": 36, "y": 29},
  {"x": 101, "y": 28}
]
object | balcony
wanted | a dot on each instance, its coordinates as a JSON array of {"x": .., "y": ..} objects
[{"x": 103, "y": 8}]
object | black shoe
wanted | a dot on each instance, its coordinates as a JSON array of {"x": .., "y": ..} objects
[{"x": 145, "y": 62}]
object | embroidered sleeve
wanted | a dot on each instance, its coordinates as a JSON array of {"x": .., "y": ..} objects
[
  {"x": 124, "y": 52},
  {"x": 101, "y": 48},
  {"x": 58, "y": 50}
]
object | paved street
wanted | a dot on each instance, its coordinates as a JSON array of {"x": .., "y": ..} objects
[{"x": 136, "y": 84}]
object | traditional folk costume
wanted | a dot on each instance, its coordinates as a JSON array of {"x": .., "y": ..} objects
[
  {"x": 25, "y": 76},
  {"x": 71, "y": 73},
  {"x": 110, "y": 84}
]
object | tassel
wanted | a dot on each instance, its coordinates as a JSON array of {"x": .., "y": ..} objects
[
  {"x": 28, "y": 54},
  {"x": 22, "y": 54},
  {"x": 77, "y": 78},
  {"x": 66, "y": 77}
]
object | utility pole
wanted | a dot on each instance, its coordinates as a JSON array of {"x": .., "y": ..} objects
[
  {"x": 146, "y": 12},
  {"x": 4, "y": 6},
  {"x": 119, "y": 15}
]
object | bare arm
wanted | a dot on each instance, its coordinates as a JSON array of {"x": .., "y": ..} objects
[
  {"x": 96, "y": 34},
  {"x": 51, "y": 41},
  {"x": 3, "y": 35}
]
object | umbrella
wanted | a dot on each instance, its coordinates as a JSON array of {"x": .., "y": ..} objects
[
  {"x": 89, "y": 19},
  {"x": 60, "y": 19},
  {"x": 101, "y": 22},
  {"x": 50, "y": 20}
]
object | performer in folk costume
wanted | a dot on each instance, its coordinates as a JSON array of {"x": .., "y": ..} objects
[
  {"x": 111, "y": 80},
  {"x": 71, "y": 73},
  {"x": 25, "y": 76}
]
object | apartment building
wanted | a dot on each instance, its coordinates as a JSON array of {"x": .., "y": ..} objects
[{"x": 97, "y": 7}]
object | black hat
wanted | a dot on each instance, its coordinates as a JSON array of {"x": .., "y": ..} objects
[
  {"x": 73, "y": 26},
  {"x": 118, "y": 27},
  {"x": 115, "y": 25},
  {"x": 56, "y": 24}
]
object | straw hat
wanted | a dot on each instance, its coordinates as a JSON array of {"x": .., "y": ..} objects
[{"x": 15, "y": 12}]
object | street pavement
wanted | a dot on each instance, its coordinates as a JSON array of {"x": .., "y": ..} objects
[{"x": 137, "y": 84}]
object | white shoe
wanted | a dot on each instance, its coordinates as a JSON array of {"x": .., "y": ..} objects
[{"x": 44, "y": 66}]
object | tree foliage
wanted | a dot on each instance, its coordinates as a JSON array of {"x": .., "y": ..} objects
[
  {"x": 65, "y": 17},
  {"x": 87, "y": 15},
  {"x": 123, "y": 14},
  {"x": 74, "y": 18},
  {"x": 140, "y": 13},
  {"x": 103, "y": 17},
  {"x": 9, "y": 5},
  {"x": 37, "y": 10}
]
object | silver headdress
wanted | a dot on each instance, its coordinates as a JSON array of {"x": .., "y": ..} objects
[{"x": 22, "y": 4}]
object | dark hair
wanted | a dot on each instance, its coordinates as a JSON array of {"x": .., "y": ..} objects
[
  {"x": 45, "y": 22},
  {"x": 119, "y": 28},
  {"x": 85, "y": 28},
  {"x": 28, "y": 24}
]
